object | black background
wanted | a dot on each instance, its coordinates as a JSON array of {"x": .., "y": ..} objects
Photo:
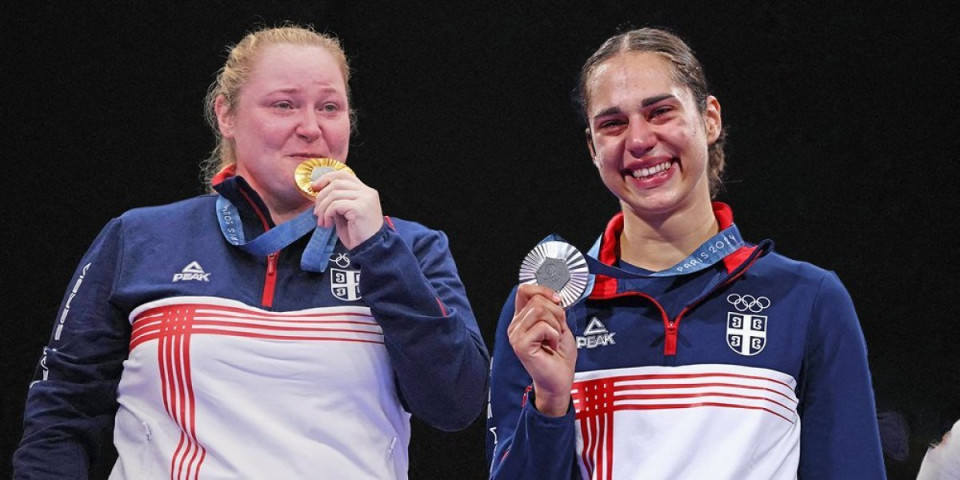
[{"x": 843, "y": 125}]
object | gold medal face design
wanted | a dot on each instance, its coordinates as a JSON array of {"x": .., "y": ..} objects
[{"x": 314, "y": 168}]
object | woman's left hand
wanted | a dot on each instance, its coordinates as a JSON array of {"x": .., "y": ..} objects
[{"x": 350, "y": 205}]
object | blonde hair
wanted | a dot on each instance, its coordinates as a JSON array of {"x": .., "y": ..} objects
[{"x": 236, "y": 71}]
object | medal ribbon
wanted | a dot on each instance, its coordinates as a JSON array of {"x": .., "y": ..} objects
[
  {"x": 315, "y": 256},
  {"x": 707, "y": 254}
]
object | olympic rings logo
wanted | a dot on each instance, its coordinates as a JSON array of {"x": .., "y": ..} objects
[
  {"x": 342, "y": 260},
  {"x": 748, "y": 302}
]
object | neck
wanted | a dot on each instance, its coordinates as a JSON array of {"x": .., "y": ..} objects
[
  {"x": 284, "y": 209},
  {"x": 283, "y": 216},
  {"x": 660, "y": 242},
  {"x": 281, "y": 206}
]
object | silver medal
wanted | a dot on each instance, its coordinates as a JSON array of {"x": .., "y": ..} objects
[{"x": 559, "y": 266}]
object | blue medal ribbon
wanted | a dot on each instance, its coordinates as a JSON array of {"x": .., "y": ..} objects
[
  {"x": 315, "y": 256},
  {"x": 707, "y": 254}
]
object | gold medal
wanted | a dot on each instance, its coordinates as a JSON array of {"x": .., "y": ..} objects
[{"x": 312, "y": 169}]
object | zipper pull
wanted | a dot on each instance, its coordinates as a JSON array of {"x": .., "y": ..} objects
[
  {"x": 272, "y": 263},
  {"x": 670, "y": 341}
]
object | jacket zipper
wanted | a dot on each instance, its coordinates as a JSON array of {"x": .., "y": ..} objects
[
  {"x": 270, "y": 282},
  {"x": 672, "y": 326},
  {"x": 669, "y": 326},
  {"x": 670, "y": 341}
]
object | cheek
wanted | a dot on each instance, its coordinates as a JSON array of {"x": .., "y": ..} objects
[
  {"x": 343, "y": 133},
  {"x": 608, "y": 163},
  {"x": 257, "y": 130},
  {"x": 338, "y": 136},
  {"x": 610, "y": 155},
  {"x": 273, "y": 135},
  {"x": 686, "y": 136}
]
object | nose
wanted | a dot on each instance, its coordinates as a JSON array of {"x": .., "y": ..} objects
[
  {"x": 308, "y": 127},
  {"x": 641, "y": 137}
]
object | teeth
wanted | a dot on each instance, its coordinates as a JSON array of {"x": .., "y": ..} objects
[{"x": 646, "y": 172}]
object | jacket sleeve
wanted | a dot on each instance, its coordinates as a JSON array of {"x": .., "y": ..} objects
[
  {"x": 412, "y": 287},
  {"x": 840, "y": 438},
  {"x": 71, "y": 404},
  {"x": 522, "y": 442}
]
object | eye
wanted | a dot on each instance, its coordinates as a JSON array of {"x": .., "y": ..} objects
[
  {"x": 283, "y": 105},
  {"x": 660, "y": 111},
  {"x": 610, "y": 123},
  {"x": 330, "y": 107}
]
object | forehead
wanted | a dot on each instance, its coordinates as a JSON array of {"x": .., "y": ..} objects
[
  {"x": 296, "y": 64},
  {"x": 629, "y": 74}
]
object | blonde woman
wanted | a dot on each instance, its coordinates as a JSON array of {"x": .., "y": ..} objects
[{"x": 270, "y": 329}]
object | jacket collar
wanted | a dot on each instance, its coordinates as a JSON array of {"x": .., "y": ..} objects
[
  {"x": 248, "y": 202},
  {"x": 609, "y": 252}
]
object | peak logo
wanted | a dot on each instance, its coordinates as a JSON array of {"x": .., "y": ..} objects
[
  {"x": 193, "y": 271},
  {"x": 595, "y": 335}
]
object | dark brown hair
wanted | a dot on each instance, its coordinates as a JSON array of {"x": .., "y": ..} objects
[{"x": 687, "y": 71}]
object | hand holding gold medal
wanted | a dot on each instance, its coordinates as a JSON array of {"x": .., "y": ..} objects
[
  {"x": 312, "y": 169},
  {"x": 343, "y": 202}
]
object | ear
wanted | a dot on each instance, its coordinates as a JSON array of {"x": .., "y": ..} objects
[
  {"x": 712, "y": 119},
  {"x": 590, "y": 145},
  {"x": 224, "y": 116}
]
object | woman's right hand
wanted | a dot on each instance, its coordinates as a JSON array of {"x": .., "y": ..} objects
[
  {"x": 545, "y": 346},
  {"x": 349, "y": 204}
]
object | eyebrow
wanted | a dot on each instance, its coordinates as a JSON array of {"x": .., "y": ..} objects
[
  {"x": 287, "y": 90},
  {"x": 646, "y": 102},
  {"x": 326, "y": 89}
]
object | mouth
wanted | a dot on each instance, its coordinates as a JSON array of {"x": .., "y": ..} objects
[
  {"x": 306, "y": 155},
  {"x": 651, "y": 171}
]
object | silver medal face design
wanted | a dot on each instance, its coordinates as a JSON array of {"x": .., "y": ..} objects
[{"x": 557, "y": 265}]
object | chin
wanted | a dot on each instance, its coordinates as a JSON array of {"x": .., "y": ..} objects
[{"x": 659, "y": 204}]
